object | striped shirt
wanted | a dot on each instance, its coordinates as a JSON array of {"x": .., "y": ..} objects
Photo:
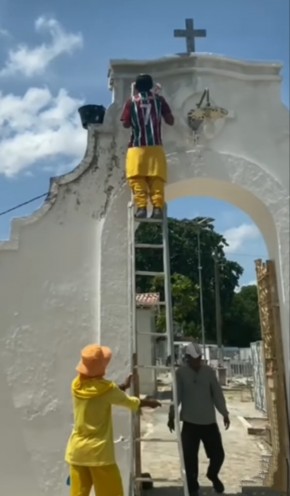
[{"x": 143, "y": 113}]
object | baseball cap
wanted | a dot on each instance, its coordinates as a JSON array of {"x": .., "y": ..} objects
[{"x": 193, "y": 350}]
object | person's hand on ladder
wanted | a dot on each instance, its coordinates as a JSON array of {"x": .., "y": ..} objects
[
  {"x": 127, "y": 383},
  {"x": 150, "y": 403}
]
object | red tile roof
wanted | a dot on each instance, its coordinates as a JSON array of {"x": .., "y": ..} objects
[{"x": 147, "y": 299}]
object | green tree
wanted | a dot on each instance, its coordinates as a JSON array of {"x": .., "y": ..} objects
[
  {"x": 241, "y": 322},
  {"x": 184, "y": 261},
  {"x": 184, "y": 304}
]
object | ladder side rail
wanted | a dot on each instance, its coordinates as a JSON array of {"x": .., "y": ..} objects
[
  {"x": 132, "y": 285},
  {"x": 170, "y": 334},
  {"x": 131, "y": 329},
  {"x": 135, "y": 421},
  {"x": 136, "y": 434}
]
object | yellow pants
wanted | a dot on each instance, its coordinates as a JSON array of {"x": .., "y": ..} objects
[
  {"x": 106, "y": 481},
  {"x": 144, "y": 187}
]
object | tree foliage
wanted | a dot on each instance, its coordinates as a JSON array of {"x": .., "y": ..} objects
[
  {"x": 241, "y": 323},
  {"x": 184, "y": 302},
  {"x": 239, "y": 310}
]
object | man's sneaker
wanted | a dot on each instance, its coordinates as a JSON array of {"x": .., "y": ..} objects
[
  {"x": 141, "y": 213},
  {"x": 217, "y": 484},
  {"x": 157, "y": 213}
]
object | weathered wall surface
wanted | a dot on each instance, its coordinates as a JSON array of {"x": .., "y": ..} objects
[
  {"x": 146, "y": 351},
  {"x": 64, "y": 275},
  {"x": 50, "y": 308},
  {"x": 243, "y": 159}
]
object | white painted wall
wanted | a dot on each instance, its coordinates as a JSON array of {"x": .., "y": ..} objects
[
  {"x": 64, "y": 275},
  {"x": 146, "y": 351},
  {"x": 50, "y": 308}
]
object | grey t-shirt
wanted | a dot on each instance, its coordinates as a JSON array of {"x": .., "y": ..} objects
[{"x": 199, "y": 393}]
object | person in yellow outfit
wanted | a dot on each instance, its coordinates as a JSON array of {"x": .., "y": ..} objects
[
  {"x": 90, "y": 449},
  {"x": 146, "y": 166}
]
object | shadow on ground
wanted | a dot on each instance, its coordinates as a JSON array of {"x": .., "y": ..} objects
[{"x": 164, "y": 491}]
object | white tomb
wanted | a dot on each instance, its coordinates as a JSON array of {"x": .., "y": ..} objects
[{"x": 64, "y": 273}]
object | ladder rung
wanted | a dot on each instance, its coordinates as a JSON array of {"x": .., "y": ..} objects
[
  {"x": 156, "y": 367},
  {"x": 155, "y": 440},
  {"x": 159, "y": 304},
  {"x": 154, "y": 334},
  {"x": 148, "y": 219},
  {"x": 148, "y": 245},
  {"x": 149, "y": 273},
  {"x": 149, "y": 479}
]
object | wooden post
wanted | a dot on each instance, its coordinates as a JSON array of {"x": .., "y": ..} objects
[
  {"x": 269, "y": 309},
  {"x": 281, "y": 475}
]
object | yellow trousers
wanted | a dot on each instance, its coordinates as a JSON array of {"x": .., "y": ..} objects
[
  {"x": 106, "y": 481},
  {"x": 147, "y": 187}
]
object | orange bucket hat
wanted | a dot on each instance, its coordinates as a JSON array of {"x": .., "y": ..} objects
[{"x": 94, "y": 360}]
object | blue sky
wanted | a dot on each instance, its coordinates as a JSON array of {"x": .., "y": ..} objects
[{"x": 55, "y": 55}]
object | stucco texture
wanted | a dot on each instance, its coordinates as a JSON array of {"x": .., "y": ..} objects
[{"x": 64, "y": 273}]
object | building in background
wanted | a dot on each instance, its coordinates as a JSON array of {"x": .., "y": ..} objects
[{"x": 147, "y": 308}]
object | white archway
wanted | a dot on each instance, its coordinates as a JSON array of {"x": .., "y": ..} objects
[
  {"x": 222, "y": 176},
  {"x": 64, "y": 273}
]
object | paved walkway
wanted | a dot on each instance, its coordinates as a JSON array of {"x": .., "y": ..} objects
[{"x": 243, "y": 452}]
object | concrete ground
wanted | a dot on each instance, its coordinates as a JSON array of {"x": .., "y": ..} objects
[{"x": 243, "y": 452}]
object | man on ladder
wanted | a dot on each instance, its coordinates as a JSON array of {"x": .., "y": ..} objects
[{"x": 146, "y": 167}]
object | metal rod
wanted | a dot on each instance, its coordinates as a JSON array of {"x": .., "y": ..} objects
[
  {"x": 202, "y": 98},
  {"x": 218, "y": 310},
  {"x": 207, "y": 97},
  {"x": 201, "y": 294}
]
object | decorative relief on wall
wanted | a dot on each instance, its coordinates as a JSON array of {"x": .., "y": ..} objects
[{"x": 203, "y": 116}]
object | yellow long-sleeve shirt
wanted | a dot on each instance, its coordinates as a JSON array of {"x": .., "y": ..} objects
[{"x": 91, "y": 442}]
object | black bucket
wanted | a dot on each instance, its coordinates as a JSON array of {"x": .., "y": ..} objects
[{"x": 92, "y": 114}]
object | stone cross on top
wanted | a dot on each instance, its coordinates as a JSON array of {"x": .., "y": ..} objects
[{"x": 189, "y": 33}]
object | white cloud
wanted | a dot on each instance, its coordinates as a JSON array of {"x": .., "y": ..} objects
[
  {"x": 251, "y": 283},
  {"x": 39, "y": 127},
  {"x": 238, "y": 236},
  {"x": 33, "y": 61}
]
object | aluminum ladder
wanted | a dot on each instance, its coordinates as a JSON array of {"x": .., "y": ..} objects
[{"x": 136, "y": 469}]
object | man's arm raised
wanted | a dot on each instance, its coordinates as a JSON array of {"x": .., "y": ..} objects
[
  {"x": 126, "y": 115},
  {"x": 166, "y": 112}
]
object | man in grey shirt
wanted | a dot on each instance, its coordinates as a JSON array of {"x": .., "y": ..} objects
[{"x": 199, "y": 394}]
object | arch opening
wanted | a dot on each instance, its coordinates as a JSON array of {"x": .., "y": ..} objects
[
  {"x": 233, "y": 194},
  {"x": 259, "y": 214},
  {"x": 236, "y": 184}
]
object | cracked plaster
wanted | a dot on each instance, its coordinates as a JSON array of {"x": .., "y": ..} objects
[{"x": 64, "y": 273}]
